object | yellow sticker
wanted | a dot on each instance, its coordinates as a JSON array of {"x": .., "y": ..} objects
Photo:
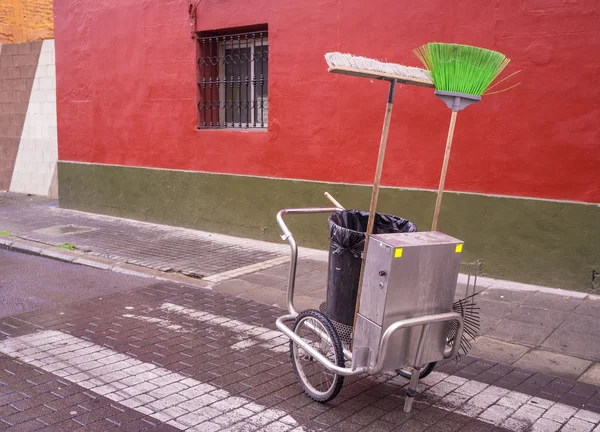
[
  {"x": 458, "y": 248},
  {"x": 398, "y": 253}
]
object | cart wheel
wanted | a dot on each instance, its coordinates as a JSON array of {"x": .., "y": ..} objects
[
  {"x": 318, "y": 382},
  {"x": 407, "y": 373}
]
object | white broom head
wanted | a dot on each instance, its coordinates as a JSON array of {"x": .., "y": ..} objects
[{"x": 367, "y": 67}]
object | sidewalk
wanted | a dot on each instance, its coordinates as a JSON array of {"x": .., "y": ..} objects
[
  {"x": 170, "y": 357},
  {"x": 153, "y": 246},
  {"x": 534, "y": 328}
]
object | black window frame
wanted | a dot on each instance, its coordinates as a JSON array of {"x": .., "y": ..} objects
[{"x": 237, "y": 99}]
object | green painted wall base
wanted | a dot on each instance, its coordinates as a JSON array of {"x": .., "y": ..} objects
[{"x": 533, "y": 241}]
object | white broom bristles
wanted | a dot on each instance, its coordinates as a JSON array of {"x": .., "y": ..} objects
[{"x": 336, "y": 59}]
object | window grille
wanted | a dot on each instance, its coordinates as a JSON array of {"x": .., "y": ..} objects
[{"x": 233, "y": 86}]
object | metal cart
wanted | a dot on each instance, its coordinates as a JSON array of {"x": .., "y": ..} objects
[{"x": 405, "y": 316}]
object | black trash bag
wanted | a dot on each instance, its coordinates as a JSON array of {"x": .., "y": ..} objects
[
  {"x": 347, "y": 229},
  {"x": 347, "y": 234}
]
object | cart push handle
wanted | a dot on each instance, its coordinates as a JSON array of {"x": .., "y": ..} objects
[
  {"x": 287, "y": 235},
  {"x": 307, "y": 210}
]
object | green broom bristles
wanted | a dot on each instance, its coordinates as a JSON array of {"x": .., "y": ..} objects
[{"x": 461, "y": 68}]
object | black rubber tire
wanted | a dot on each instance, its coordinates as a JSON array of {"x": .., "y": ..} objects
[
  {"x": 424, "y": 372},
  {"x": 338, "y": 380}
]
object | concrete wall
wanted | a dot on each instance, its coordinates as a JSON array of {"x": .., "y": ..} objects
[
  {"x": 127, "y": 93},
  {"x": 28, "y": 139},
  {"x": 535, "y": 241},
  {"x": 126, "y": 89}
]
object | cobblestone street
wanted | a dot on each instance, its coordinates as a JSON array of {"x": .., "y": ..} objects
[
  {"x": 171, "y": 357},
  {"x": 269, "y": 216},
  {"x": 83, "y": 348}
]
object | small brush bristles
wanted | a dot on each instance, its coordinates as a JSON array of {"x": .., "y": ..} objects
[
  {"x": 461, "y": 68},
  {"x": 336, "y": 59}
]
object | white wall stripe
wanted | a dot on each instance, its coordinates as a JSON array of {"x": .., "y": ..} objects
[{"x": 38, "y": 149}]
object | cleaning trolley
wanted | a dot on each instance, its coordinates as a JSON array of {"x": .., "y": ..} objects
[{"x": 403, "y": 316}]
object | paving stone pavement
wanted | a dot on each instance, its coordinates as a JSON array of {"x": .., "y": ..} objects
[
  {"x": 535, "y": 330},
  {"x": 536, "y": 362},
  {"x": 169, "y": 249},
  {"x": 169, "y": 357}
]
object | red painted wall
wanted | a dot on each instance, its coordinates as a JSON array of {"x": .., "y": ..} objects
[{"x": 126, "y": 93}]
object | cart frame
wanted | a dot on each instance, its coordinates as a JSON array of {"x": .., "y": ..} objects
[{"x": 361, "y": 360}]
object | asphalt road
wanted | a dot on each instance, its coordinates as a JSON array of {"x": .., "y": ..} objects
[{"x": 29, "y": 282}]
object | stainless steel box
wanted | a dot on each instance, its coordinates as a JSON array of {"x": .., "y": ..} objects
[{"x": 407, "y": 275}]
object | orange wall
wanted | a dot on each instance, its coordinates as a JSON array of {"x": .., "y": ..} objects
[{"x": 26, "y": 21}]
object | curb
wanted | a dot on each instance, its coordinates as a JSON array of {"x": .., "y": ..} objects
[
  {"x": 49, "y": 251},
  {"x": 486, "y": 283},
  {"x": 26, "y": 248},
  {"x": 81, "y": 258},
  {"x": 58, "y": 255}
]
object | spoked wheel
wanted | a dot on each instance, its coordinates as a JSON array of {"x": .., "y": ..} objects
[
  {"x": 407, "y": 373},
  {"x": 316, "y": 330}
]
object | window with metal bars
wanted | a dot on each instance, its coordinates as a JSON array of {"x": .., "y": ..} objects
[{"x": 233, "y": 73}]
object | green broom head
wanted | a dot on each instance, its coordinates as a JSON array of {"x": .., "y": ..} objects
[{"x": 461, "y": 68}]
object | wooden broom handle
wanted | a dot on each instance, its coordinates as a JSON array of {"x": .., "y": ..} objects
[
  {"x": 375, "y": 193},
  {"x": 334, "y": 201},
  {"x": 438, "y": 201}
]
